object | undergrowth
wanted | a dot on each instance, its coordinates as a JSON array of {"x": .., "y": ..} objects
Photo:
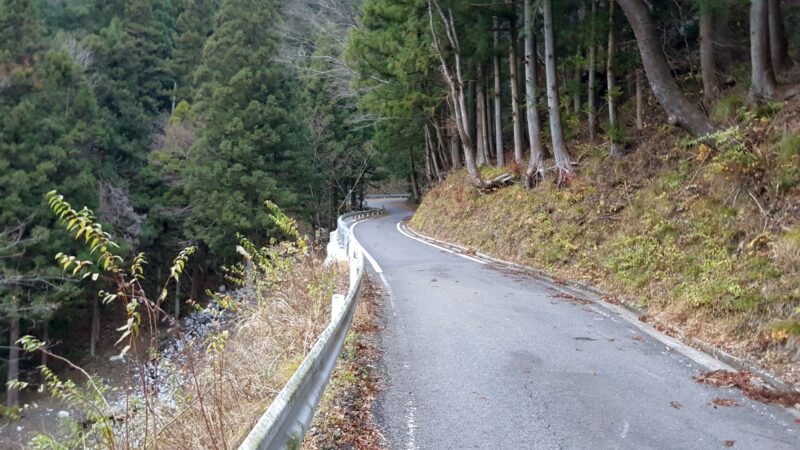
[{"x": 215, "y": 386}]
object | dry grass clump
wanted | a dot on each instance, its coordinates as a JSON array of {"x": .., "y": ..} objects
[
  {"x": 280, "y": 316},
  {"x": 787, "y": 250}
]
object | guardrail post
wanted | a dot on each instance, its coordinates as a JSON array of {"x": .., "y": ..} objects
[
  {"x": 284, "y": 423},
  {"x": 337, "y": 305}
]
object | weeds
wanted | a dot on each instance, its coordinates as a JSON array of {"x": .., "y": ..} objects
[{"x": 214, "y": 387}]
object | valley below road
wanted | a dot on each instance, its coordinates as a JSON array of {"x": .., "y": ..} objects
[{"x": 478, "y": 356}]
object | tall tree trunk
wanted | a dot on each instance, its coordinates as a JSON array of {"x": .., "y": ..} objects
[
  {"x": 535, "y": 163},
  {"x": 479, "y": 124},
  {"x": 439, "y": 159},
  {"x": 176, "y": 310},
  {"x": 680, "y": 111},
  {"x": 763, "y": 82},
  {"x": 428, "y": 152},
  {"x": 431, "y": 161},
  {"x": 455, "y": 83},
  {"x": 197, "y": 274},
  {"x": 610, "y": 84},
  {"x": 413, "y": 174},
  {"x": 447, "y": 163},
  {"x": 514, "y": 79},
  {"x": 487, "y": 115},
  {"x": 46, "y": 339},
  {"x": 590, "y": 94},
  {"x": 95, "y": 331},
  {"x": 458, "y": 103},
  {"x": 563, "y": 160},
  {"x": 455, "y": 154},
  {"x": 12, "y": 394},
  {"x": 781, "y": 62},
  {"x": 498, "y": 112},
  {"x": 480, "y": 119},
  {"x": 472, "y": 114},
  {"x": 639, "y": 101},
  {"x": 576, "y": 78},
  {"x": 708, "y": 67}
]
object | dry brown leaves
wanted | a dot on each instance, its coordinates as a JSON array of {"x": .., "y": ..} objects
[
  {"x": 661, "y": 328},
  {"x": 726, "y": 402},
  {"x": 750, "y": 385},
  {"x": 572, "y": 299}
]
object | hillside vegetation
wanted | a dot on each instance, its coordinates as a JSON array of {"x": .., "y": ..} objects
[{"x": 707, "y": 241}]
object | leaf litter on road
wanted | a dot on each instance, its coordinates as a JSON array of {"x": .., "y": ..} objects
[
  {"x": 572, "y": 299},
  {"x": 751, "y": 386},
  {"x": 726, "y": 402}
]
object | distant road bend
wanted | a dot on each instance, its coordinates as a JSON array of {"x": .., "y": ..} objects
[{"x": 478, "y": 357}]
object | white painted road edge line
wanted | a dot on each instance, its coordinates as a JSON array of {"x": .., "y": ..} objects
[
  {"x": 695, "y": 355},
  {"x": 400, "y": 229},
  {"x": 375, "y": 266}
]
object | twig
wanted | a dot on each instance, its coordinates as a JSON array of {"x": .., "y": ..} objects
[{"x": 760, "y": 208}]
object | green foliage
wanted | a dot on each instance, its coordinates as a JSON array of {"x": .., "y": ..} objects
[
  {"x": 21, "y": 28},
  {"x": 728, "y": 108},
  {"x": 392, "y": 53},
  {"x": 193, "y": 26},
  {"x": 788, "y": 162},
  {"x": 250, "y": 148},
  {"x": 12, "y": 413},
  {"x": 48, "y": 125},
  {"x": 269, "y": 266},
  {"x": 129, "y": 291},
  {"x": 735, "y": 155}
]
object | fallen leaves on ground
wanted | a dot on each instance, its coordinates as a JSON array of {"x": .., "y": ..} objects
[
  {"x": 572, "y": 299},
  {"x": 727, "y": 402},
  {"x": 750, "y": 385},
  {"x": 646, "y": 318},
  {"x": 611, "y": 299}
]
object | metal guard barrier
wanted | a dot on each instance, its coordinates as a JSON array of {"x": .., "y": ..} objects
[{"x": 287, "y": 419}]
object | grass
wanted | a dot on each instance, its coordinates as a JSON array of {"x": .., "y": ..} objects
[
  {"x": 278, "y": 325},
  {"x": 664, "y": 227}
]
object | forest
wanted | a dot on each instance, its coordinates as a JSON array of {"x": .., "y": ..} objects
[
  {"x": 174, "y": 121},
  {"x": 598, "y": 133}
]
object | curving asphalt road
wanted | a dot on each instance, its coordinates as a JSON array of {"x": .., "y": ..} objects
[{"x": 479, "y": 357}]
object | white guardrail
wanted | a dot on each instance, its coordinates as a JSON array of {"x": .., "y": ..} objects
[{"x": 288, "y": 417}]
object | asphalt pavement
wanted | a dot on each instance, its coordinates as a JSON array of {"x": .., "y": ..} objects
[{"x": 477, "y": 356}]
